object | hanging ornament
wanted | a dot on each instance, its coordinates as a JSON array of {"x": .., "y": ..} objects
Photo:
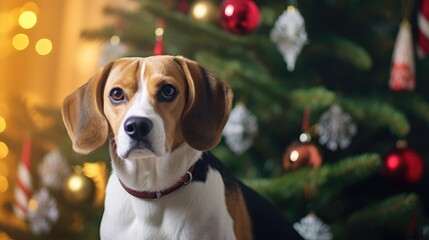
[
  {"x": 402, "y": 74},
  {"x": 204, "y": 11},
  {"x": 239, "y": 16},
  {"x": 312, "y": 228},
  {"x": 23, "y": 188},
  {"x": 78, "y": 188},
  {"x": 403, "y": 166},
  {"x": 112, "y": 50},
  {"x": 336, "y": 128},
  {"x": 289, "y": 35},
  {"x": 304, "y": 152},
  {"x": 43, "y": 212},
  {"x": 241, "y": 129},
  {"x": 54, "y": 170},
  {"x": 423, "y": 29},
  {"x": 159, "y": 38}
]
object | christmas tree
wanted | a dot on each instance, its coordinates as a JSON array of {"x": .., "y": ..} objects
[{"x": 330, "y": 117}]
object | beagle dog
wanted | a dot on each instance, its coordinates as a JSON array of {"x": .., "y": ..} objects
[{"x": 161, "y": 115}]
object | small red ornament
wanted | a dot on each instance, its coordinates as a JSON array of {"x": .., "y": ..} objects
[
  {"x": 159, "y": 38},
  {"x": 239, "y": 16},
  {"x": 403, "y": 167}
]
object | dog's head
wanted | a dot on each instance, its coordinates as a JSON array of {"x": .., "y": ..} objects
[{"x": 148, "y": 107}]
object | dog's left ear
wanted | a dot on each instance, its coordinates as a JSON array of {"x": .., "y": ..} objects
[
  {"x": 207, "y": 108},
  {"x": 83, "y": 115}
]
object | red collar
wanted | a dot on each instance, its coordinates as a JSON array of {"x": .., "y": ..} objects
[{"x": 185, "y": 179}]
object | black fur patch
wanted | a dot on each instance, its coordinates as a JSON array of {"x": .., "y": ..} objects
[{"x": 267, "y": 220}]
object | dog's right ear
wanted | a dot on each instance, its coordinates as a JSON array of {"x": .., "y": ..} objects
[{"x": 83, "y": 115}]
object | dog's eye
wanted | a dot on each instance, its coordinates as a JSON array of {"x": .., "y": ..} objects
[
  {"x": 117, "y": 95},
  {"x": 167, "y": 93}
]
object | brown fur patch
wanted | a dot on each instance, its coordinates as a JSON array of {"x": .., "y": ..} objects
[{"x": 238, "y": 210}]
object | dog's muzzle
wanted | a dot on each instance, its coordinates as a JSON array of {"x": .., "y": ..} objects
[{"x": 137, "y": 128}]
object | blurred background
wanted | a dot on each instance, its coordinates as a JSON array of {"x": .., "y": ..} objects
[{"x": 330, "y": 118}]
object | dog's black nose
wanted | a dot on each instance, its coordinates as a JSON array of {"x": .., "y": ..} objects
[{"x": 138, "y": 127}]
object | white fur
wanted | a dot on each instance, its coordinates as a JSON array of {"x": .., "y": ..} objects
[{"x": 195, "y": 211}]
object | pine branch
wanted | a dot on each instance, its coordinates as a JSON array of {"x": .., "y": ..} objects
[
  {"x": 184, "y": 23},
  {"x": 294, "y": 184},
  {"x": 342, "y": 49},
  {"x": 378, "y": 113},
  {"x": 419, "y": 106},
  {"x": 384, "y": 213},
  {"x": 314, "y": 98}
]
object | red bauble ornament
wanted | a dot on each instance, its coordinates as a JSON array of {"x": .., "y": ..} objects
[
  {"x": 403, "y": 167},
  {"x": 239, "y": 16}
]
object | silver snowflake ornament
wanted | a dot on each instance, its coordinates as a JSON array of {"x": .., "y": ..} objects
[
  {"x": 336, "y": 128},
  {"x": 312, "y": 228},
  {"x": 289, "y": 35},
  {"x": 111, "y": 52},
  {"x": 241, "y": 129},
  {"x": 43, "y": 212},
  {"x": 54, "y": 170}
]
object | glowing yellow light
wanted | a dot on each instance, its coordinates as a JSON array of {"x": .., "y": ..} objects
[
  {"x": 27, "y": 19},
  {"x": 115, "y": 40},
  {"x": 4, "y": 150},
  {"x": 200, "y": 10},
  {"x": 4, "y": 184},
  {"x": 75, "y": 183},
  {"x": 2, "y": 124},
  {"x": 33, "y": 205},
  {"x": 159, "y": 31},
  {"x": 44, "y": 46},
  {"x": 20, "y": 41},
  {"x": 294, "y": 156}
]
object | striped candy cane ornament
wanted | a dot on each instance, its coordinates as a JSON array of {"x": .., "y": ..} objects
[
  {"x": 423, "y": 29},
  {"x": 23, "y": 187}
]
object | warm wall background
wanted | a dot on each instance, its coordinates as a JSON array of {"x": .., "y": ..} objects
[{"x": 49, "y": 78}]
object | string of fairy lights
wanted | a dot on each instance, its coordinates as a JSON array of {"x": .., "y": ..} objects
[
  {"x": 15, "y": 34},
  {"x": 4, "y": 150},
  {"x": 25, "y": 18}
]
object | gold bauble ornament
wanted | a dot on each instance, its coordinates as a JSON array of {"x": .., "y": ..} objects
[{"x": 78, "y": 189}]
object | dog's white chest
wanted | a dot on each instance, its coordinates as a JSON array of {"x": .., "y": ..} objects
[{"x": 196, "y": 211}]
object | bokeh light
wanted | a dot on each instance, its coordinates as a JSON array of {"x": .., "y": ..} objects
[
  {"x": 4, "y": 184},
  {"x": 20, "y": 41},
  {"x": 4, "y": 150},
  {"x": 2, "y": 124},
  {"x": 159, "y": 31},
  {"x": 75, "y": 183},
  {"x": 27, "y": 19},
  {"x": 115, "y": 40},
  {"x": 200, "y": 10},
  {"x": 44, "y": 46}
]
